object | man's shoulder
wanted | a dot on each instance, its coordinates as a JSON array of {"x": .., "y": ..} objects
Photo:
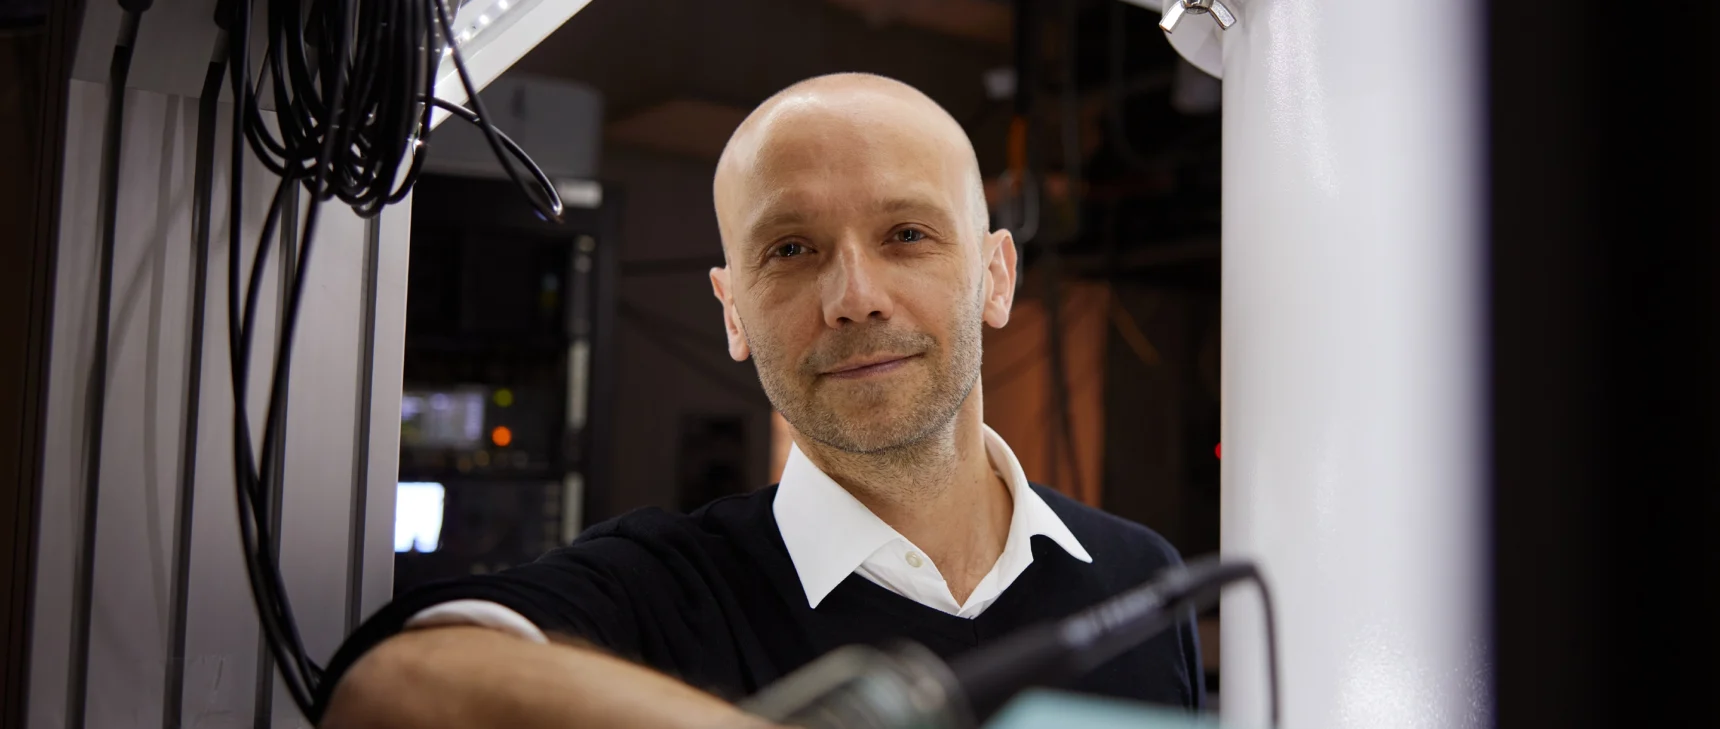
[
  {"x": 1104, "y": 534},
  {"x": 739, "y": 514}
]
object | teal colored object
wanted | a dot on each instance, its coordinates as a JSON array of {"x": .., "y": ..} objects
[{"x": 1041, "y": 709}]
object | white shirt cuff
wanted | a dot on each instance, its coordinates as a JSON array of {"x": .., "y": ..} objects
[{"x": 481, "y": 613}]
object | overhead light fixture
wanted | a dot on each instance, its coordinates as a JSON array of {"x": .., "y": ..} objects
[{"x": 492, "y": 35}]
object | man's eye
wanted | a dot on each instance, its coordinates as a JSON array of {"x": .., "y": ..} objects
[
  {"x": 910, "y": 235},
  {"x": 788, "y": 250}
]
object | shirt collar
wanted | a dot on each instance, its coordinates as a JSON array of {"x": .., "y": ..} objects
[{"x": 829, "y": 533}]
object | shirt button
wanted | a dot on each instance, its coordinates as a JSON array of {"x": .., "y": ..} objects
[{"x": 914, "y": 560}]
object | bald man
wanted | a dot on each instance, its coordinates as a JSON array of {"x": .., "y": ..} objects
[{"x": 858, "y": 275}]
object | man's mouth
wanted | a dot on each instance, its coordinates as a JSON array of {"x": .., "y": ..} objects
[{"x": 868, "y": 366}]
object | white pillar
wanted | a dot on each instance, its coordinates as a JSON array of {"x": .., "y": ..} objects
[{"x": 1353, "y": 363}]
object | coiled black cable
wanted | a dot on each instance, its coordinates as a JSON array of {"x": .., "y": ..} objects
[{"x": 352, "y": 88}]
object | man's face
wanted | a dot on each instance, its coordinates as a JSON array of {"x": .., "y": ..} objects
[{"x": 858, "y": 278}]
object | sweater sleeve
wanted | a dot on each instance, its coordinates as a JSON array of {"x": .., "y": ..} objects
[{"x": 595, "y": 589}]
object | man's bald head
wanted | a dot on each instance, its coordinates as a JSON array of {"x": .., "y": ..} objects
[
  {"x": 859, "y": 272},
  {"x": 870, "y": 110}
]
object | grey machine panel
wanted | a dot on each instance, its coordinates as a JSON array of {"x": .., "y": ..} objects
[{"x": 342, "y": 439}]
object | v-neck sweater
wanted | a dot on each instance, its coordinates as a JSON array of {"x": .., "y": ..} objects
[{"x": 712, "y": 598}]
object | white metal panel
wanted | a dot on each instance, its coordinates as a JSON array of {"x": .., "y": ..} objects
[
  {"x": 140, "y": 452},
  {"x": 131, "y": 600},
  {"x": 222, "y": 633},
  {"x": 1353, "y": 387},
  {"x": 321, "y": 422},
  {"x": 387, "y": 381}
]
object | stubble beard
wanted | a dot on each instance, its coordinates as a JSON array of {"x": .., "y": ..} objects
[{"x": 876, "y": 418}]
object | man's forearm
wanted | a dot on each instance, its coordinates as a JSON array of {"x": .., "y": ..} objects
[{"x": 475, "y": 677}]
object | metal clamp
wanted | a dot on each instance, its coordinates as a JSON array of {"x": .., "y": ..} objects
[{"x": 1180, "y": 8}]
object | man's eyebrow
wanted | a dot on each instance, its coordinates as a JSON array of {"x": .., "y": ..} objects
[
  {"x": 773, "y": 220},
  {"x": 911, "y": 205},
  {"x": 787, "y": 217}
]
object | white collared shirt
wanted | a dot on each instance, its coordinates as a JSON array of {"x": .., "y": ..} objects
[{"x": 830, "y": 535}]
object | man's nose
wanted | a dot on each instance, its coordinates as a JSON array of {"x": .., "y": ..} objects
[{"x": 853, "y": 289}]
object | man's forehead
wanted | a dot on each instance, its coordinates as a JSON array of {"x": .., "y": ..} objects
[
  {"x": 859, "y": 147},
  {"x": 791, "y": 205},
  {"x": 800, "y": 158},
  {"x": 810, "y": 181}
]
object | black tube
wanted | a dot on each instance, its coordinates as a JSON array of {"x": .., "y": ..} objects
[
  {"x": 273, "y": 476},
  {"x": 991, "y": 676},
  {"x": 1056, "y": 653},
  {"x": 550, "y": 205},
  {"x": 119, "y": 69},
  {"x": 202, "y": 201}
]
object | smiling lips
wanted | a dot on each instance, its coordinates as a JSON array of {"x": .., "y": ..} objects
[{"x": 868, "y": 366}]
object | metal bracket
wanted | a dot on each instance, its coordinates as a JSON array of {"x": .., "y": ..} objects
[{"x": 1181, "y": 8}]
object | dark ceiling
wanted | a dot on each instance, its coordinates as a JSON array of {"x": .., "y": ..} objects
[{"x": 678, "y": 75}]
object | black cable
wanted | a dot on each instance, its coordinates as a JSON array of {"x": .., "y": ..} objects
[
  {"x": 1061, "y": 651},
  {"x": 1273, "y": 698},
  {"x": 907, "y": 685},
  {"x": 263, "y": 711},
  {"x": 119, "y": 70},
  {"x": 262, "y": 564},
  {"x": 352, "y": 88},
  {"x": 508, "y": 144},
  {"x": 550, "y": 207},
  {"x": 202, "y": 201},
  {"x": 262, "y": 570}
]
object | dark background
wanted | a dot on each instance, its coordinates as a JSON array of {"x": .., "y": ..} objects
[{"x": 1603, "y": 296}]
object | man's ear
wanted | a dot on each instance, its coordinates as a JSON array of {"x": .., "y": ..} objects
[
  {"x": 999, "y": 248},
  {"x": 731, "y": 321}
]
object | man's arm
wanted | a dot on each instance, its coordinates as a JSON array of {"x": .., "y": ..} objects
[{"x": 469, "y": 676}]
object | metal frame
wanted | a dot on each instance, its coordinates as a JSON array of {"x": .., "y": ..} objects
[{"x": 28, "y": 282}]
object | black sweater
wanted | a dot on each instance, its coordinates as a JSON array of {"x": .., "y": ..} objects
[{"x": 713, "y": 599}]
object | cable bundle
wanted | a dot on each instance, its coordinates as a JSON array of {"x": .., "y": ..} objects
[{"x": 352, "y": 87}]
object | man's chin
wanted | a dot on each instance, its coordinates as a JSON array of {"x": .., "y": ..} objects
[
  {"x": 872, "y": 431},
  {"x": 864, "y": 443}
]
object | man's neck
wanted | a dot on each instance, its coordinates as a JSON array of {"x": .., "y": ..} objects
[{"x": 942, "y": 494}]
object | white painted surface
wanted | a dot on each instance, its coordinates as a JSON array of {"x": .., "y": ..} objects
[
  {"x": 387, "y": 380},
  {"x": 144, "y": 428},
  {"x": 1353, "y": 382},
  {"x": 140, "y": 451},
  {"x": 180, "y": 35}
]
